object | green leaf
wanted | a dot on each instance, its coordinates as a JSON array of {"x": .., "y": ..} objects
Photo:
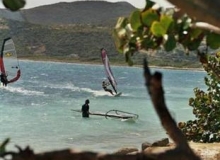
[
  {"x": 157, "y": 29},
  {"x": 128, "y": 58},
  {"x": 170, "y": 43},
  {"x": 147, "y": 43},
  {"x": 186, "y": 22},
  {"x": 213, "y": 40},
  {"x": 193, "y": 45},
  {"x": 166, "y": 21},
  {"x": 135, "y": 20},
  {"x": 121, "y": 22},
  {"x": 149, "y": 4},
  {"x": 149, "y": 16},
  {"x": 119, "y": 42},
  {"x": 195, "y": 33},
  {"x": 3, "y": 146},
  {"x": 14, "y": 5},
  {"x": 133, "y": 41}
]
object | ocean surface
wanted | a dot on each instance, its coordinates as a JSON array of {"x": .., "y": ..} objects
[{"x": 36, "y": 111}]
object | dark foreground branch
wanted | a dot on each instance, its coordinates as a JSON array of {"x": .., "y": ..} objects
[
  {"x": 155, "y": 90},
  {"x": 74, "y": 155},
  {"x": 202, "y": 10}
]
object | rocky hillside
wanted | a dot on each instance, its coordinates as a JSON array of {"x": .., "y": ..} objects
[
  {"x": 75, "y": 32},
  {"x": 80, "y": 12}
]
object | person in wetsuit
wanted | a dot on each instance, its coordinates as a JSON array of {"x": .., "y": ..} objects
[
  {"x": 85, "y": 109},
  {"x": 4, "y": 79},
  {"x": 104, "y": 86}
]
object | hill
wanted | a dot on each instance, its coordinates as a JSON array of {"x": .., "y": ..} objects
[
  {"x": 79, "y": 12},
  {"x": 75, "y": 32}
]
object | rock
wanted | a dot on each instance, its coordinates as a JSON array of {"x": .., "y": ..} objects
[
  {"x": 145, "y": 145},
  {"x": 161, "y": 143},
  {"x": 156, "y": 150},
  {"x": 124, "y": 151},
  {"x": 133, "y": 153}
]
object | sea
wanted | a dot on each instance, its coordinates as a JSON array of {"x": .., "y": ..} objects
[{"x": 36, "y": 111}]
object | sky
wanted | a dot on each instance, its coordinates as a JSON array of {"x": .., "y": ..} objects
[{"x": 136, "y": 3}]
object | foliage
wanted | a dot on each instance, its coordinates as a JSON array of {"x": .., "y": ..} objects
[
  {"x": 80, "y": 43},
  {"x": 25, "y": 153},
  {"x": 206, "y": 106},
  {"x": 3, "y": 147},
  {"x": 154, "y": 27},
  {"x": 14, "y": 5}
]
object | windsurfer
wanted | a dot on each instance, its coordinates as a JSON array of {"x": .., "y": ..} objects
[
  {"x": 85, "y": 109},
  {"x": 4, "y": 79},
  {"x": 104, "y": 86}
]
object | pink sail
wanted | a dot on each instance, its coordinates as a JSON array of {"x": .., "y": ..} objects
[{"x": 108, "y": 70}]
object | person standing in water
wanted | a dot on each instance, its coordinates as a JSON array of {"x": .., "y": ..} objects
[
  {"x": 85, "y": 109},
  {"x": 4, "y": 79}
]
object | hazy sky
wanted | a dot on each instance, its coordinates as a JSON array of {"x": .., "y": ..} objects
[{"x": 136, "y": 3}]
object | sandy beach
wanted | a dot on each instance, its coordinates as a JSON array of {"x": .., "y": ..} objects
[
  {"x": 49, "y": 59},
  {"x": 206, "y": 151}
]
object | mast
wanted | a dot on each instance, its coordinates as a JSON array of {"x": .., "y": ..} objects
[{"x": 112, "y": 85}]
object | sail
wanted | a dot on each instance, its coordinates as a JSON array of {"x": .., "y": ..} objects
[
  {"x": 108, "y": 70},
  {"x": 9, "y": 64}
]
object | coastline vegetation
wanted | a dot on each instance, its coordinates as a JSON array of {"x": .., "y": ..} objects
[
  {"x": 82, "y": 44},
  {"x": 113, "y": 63},
  {"x": 205, "y": 106}
]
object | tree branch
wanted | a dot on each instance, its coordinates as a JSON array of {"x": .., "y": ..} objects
[
  {"x": 155, "y": 89},
  {"x": 206, "y": 26},
  {"x": 203, "y": 10}
]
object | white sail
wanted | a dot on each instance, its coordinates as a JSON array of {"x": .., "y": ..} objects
[{"x": 8, "y": 61}]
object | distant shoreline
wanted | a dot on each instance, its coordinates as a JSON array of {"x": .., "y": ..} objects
[{"x": 99, "y": 63}]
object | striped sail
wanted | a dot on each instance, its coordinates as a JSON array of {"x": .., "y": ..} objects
[{"x": 108, "y": 70}]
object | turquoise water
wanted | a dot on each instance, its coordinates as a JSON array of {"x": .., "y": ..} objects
[{"x": 36, "y": 110}]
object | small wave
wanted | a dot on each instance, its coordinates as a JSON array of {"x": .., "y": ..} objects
[
  {"x": 69, "y": 86},
  {"x": 100, "y": 93},
  {"x": 37, "y": 104},
  {"x": 135, "y": 134},
  {"x": 121, "y": 77},
  {"x": 96, "y": 92},
  {"x": 72, "y": 87},
  {"x": 23, "y": 91},
  {"x": 44, "y": 74}
]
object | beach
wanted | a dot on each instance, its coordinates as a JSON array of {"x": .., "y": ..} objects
[
  {"x": 77, "y": 61},
  {"x": 206, "y": 151}
]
